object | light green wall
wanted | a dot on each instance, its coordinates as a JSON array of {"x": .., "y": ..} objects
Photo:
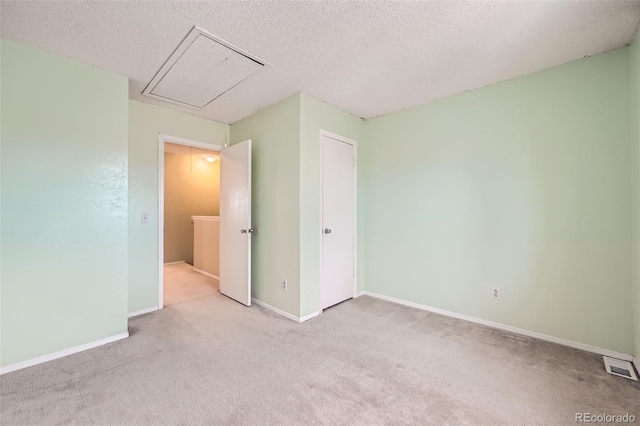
[
  {"x": 1, "y": 201},
  {"x": 316, "y": 115},
  {"x": 145, "y": 123},
  {"x": 286, "y": 196},
  {"x": 275, "y": 204},
  {"x": 523, "y": 185},
  {"x": 64, "y": 203},
  {"x": 635, "y": 138}
]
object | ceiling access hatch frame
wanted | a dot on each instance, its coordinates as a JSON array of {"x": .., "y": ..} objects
[{"x": 194, "y": 35}]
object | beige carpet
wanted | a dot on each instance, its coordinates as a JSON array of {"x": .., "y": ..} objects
[
  {"x": 182, "y": 283},
  {"x": 366, "y": 362}
]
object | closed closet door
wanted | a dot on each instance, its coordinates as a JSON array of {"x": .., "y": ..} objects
[{"x": 338, "y": 221}]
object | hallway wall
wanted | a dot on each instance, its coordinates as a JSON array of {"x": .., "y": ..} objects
[{"x": 191, "y": 188}]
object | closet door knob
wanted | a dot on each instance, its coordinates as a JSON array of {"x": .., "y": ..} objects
[{"x": 327, "y": 230}]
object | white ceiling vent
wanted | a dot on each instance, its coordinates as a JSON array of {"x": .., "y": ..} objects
[{"x": 202, "y": 68}]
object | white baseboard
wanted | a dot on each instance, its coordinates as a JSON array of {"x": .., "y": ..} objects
[
  {"x": 359, "y": 294},
  {"x": 177, "y": 262},
  {"x": 534, "y": 334},
  {"x": 308, "y": 317},
  {"x": 142, "y": 312},
  {"x": 206, "y": 273},
  {"x": 276, "y": 310},
  {"x": 283, "y": 313},
  {"x": 61, "y": 354}
]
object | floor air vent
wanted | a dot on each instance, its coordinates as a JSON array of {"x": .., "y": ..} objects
[{"x": 619, "y": 368}]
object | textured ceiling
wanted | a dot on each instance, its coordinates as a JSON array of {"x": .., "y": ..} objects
[{"x": 369, "y": 58}]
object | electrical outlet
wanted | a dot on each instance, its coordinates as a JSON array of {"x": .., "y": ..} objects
[
  {"x": 144, "y": 218},
  {"x": 284, "y": 285},
  {"x": 495, "y": 293}
]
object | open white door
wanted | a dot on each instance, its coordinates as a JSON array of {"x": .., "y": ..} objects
[{"x": 235, "y": 222}]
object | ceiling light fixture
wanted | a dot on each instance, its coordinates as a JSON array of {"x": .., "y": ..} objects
[{"x": 210, "y": 158}]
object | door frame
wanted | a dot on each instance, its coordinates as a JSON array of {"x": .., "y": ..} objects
[
  {"x": 354, "y": 144},
  {"x": 162, "y": 138}
]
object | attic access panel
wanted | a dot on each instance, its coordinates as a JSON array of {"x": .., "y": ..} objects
[{"x": 201, "y": 69}]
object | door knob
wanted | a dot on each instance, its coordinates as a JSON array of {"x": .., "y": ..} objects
[
  {"x": 243, "y": 231},
  {"x": 327, "y": 230}
]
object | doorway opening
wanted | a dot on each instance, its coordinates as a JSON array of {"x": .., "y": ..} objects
[
  {"x": 204, "y": 245},
  {"x": 191, "y": 223},
  {"x": 189, "y": 219}
]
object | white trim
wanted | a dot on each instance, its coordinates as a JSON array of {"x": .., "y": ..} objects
[
  {"x": 534, "y": 334},
  {"x": 206, "y": 218},
  {"x": 276, "y": 310},
  {"x": 177, "y": 262},
  {"x": 61, "y": 354},
  {"x": 308, "y": 317},
  {"x": 355, "y": 209},
  {"x": 189, "y": 142},
  {"x": 338, "y": 137},
  {"x": 142, "y": 312},
  {"x": 285, "y": 314},
  {"x": 206, "y": 273},
  {"x": 636, "y": 363},
  {"x": 162, "y": 138},
  {"x": 359, "y": 294},
  {"x": 184, "y": 45}
]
